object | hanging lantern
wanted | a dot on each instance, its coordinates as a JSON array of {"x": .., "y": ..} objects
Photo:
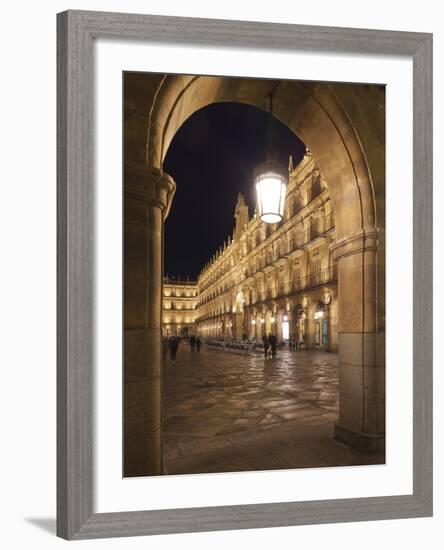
[
  {"x": 271, "y": 179},
  {"x": 271, "y": 187}
]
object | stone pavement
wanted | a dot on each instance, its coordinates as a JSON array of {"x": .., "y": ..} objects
[{"x": 235, "y": 411}]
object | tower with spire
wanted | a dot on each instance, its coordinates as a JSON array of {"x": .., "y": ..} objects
[{"x": 240, "y": 215}]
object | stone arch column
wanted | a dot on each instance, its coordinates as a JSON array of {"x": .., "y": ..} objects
[
  {"x": 361, "y": 345},
  {"x": 332, "y": 318},
  {"x": 303, "y": 320},
  {"x": 148, "y": 193},
  {"x": 310, "y": 324}
]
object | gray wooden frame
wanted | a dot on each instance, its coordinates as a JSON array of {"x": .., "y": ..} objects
[{"x": 76, "y": 33}]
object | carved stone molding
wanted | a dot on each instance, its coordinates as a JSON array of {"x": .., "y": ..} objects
[
  {"x": 362, "y": 242},
  {"x": 151, "y": 185}
]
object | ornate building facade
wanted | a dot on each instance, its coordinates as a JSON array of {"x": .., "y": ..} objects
[
  {"x": 279, "y": 278},
  {"x": 179, "y": 307}
]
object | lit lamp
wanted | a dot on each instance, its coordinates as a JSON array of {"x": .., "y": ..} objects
[{"x": 271, "y": 180}]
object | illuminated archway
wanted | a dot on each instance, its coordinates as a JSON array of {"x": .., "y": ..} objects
[{"x": 343, "y": 126}]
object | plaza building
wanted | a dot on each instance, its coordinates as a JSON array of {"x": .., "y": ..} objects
[
  {"x": 267, "y": 278},
  {"x": 179, "y": 307}
]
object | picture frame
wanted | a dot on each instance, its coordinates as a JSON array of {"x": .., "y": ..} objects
[{"x": 77, "y": 31}]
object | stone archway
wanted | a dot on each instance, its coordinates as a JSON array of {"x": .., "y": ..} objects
[{"x": 343, "y": 125}]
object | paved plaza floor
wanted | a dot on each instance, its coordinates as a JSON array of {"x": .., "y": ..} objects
[{"x": 230, "y": 411}]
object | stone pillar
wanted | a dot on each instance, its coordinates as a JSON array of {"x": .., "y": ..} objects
[
  {"x": 262, "y": 327},
  {"x": 310, "y": 327},
  {"x": 361, "y": 347},
  {"x": 257, "y": 328},
  {"x": 279, "y": 320},
  {"x": 293, "y": 321},
  {"x": 328, "y": 320},
  {"x": 332, "y": 317},
  {"x": 148, "y": 193}
]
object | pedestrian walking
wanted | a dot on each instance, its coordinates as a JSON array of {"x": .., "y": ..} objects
[
  {"x": 266, "y": 345},
  {"x": 273, "y": 344},
  {"x": 198, "y": 343},
  {"x": 173, "y": 345},
  {"x": 192, "y": 342}
]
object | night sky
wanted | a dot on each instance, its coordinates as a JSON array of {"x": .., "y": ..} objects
[{"x": 212, "y": 158}]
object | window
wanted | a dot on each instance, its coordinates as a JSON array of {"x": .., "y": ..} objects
[
  {"x": 316, "y": 187},
  {"x": 315, "y": 269}
]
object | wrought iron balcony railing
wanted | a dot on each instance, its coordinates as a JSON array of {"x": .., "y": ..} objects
[{"x": 316, "y": 278}]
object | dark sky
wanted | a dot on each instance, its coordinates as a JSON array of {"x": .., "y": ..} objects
[{"x": 212, "y": 158}]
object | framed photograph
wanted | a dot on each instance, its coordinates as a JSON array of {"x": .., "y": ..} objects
[{"x": 244, "y": 275}]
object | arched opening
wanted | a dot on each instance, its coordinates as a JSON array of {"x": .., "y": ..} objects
[
  {"x": 212, "y": 158},
  {"x": 343, "y": 127}
]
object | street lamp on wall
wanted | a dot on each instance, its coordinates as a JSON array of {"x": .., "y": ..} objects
[{"x": 271, "y": 179}]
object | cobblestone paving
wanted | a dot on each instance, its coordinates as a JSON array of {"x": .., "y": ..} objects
[{"x": 234, "y": 411}]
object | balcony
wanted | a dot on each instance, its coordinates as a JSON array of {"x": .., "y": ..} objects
[{"x": 317, "y": 278}]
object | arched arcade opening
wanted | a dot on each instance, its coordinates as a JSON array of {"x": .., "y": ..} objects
[{"x": 343, "y": 127}]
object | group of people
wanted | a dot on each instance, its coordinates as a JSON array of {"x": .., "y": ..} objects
[
  {"x": 195, "y": 343},
  {"x": 270, "y": 342},
  {"x": 171, "y": 345},
  {"x": 270, "y": 345},
  {"x": 294, "y": 345}
]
